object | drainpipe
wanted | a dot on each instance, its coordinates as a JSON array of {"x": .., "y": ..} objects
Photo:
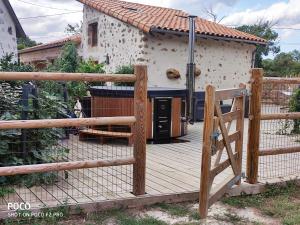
[
  {"x": 190, "y": 76},
  {"x": 254, "y": 57}
]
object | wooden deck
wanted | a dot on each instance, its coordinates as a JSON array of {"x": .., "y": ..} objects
[{"x": 171, "y": 168}]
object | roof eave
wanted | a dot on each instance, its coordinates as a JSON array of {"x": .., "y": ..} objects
[
  {"x": 157, "y": 30},
  {"x": 19, "y": 29}
]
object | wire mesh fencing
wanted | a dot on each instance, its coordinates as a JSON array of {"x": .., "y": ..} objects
[
  {"x": 279, "y": 98},
  {"x": 78, "y": 152}
]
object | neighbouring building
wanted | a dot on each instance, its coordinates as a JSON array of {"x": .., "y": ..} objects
[
  {"x": 121, "y": 33},
  {"x": 41, "y": 55},
  {"x": 10, "y": 30}
]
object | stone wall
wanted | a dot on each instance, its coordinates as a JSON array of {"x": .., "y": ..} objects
[
  {"x": 223, "y": 64},
  {"x": 8, "y": 40}
]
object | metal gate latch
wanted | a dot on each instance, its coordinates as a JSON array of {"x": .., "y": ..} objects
[
  {"x": 245, "y": 92},
  {"x": 215, "y": 135}
]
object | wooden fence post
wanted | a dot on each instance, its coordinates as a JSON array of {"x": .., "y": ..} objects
[
  {"x": 254, "y": 126},
  {"x": 240, "y": 104},
  {"x": 140, "y": 112},
  {"x": 209, "y": 109}
]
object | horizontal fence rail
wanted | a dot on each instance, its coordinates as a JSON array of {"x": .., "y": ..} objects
[
  {"x": 41, "y": 76},
  {"x": 281, "y": 80},
  {"x": 55, "y": 123},
  {"x": 281, "y": 116},
  {"x": 49, "y": 167}
]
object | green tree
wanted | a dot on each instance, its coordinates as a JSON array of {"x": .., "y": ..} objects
[
  {"x": 68, "y": 60},
  {"x": 284, "y": 64},
  {"x": 26, "y": 43},
  {"x": 296, "y": 55},
  {"x": 263, "y": 30}
]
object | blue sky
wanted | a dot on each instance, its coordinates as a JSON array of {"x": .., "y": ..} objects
[{"x": 286, "y": 14}]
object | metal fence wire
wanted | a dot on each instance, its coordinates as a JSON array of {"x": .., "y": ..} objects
[
  {"x": 55, "y": 100},
  {"x": 275, "y": 134}
]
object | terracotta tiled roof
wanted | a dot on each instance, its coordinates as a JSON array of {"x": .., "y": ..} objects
[
  {"x": 149, "y": 18},
  {"x": 58, "y": 43}
]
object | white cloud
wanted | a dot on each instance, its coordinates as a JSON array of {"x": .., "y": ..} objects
[
  {"x": 52, "y": 28},
  {"x": 48, "y": 28},
  {"x": 281, "y": 13}
]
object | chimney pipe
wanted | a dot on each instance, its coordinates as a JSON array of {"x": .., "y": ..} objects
[{"x": 190, "y": 77}]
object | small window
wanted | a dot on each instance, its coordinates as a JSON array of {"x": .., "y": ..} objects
[
  {"x": 93, "y": 34},
  {"x": 9, "y": 30}
]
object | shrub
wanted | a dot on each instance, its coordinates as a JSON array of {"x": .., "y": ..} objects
[
  {"x": 295, "y": 107},
  {"x": 41, "y": 145},
  {"x": 7, "y": 64},
  {"x": 126, "y": 69},
  {"x": 90, "y": 67}
]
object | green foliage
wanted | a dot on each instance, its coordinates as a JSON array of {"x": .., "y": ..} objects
[
  {"x": 122, "y": 218},
  {"x": 295, "y": 107},
  {"x": 263, "y": 30},
  {"x": 90, "y": 67},
  {"x": 26, "y": 43},
  {"x": 68, "y": 60},
  {"x": 284, "y": 64},
  {"x": 125, "y": 69},
  {"x": 7, "y": 64},
  {"x": 174, "y": 209},
  {"x": 5, "y": 191},
  {"x": 41, "y": 145}
]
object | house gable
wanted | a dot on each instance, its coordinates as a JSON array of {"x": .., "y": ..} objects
[
  {"x": 8, "y": 31},
  {"x": 118, "y": 43}
]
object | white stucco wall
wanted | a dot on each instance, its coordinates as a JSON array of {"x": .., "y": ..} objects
[
  {"x": 223, "y": 64},
  {"x": 8, "y": 42},
  {"x": 122, "y": 42}
]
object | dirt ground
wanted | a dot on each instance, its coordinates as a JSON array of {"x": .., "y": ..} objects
[{"x": 278, "y": 205}]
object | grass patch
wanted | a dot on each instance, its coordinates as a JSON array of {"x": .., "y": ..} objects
[
  {"x": 122, "y": 218},
  {"x": 174, "y": 209},
  {"x": 6, "y": 191},
  {"x": 278, "y": 201},
  {"x": 194, "y": 215}
]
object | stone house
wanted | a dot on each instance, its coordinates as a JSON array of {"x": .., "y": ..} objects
[
  {"x": 10, "y": 30},
  {"x": 121, "y": 33},
  {"x": 41, "y": 55}
]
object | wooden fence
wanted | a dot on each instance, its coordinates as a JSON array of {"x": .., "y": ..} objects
[
  {"x": 138, "y": 121},
  {"x": 258, "y": 115}
]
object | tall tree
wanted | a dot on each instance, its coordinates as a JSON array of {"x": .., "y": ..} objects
[
  {"x": 284, "y": 64},
  {"x": 263, "y": 30}
]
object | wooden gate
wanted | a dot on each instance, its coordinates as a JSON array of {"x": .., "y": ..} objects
[{"x": 216, "y": 125}]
